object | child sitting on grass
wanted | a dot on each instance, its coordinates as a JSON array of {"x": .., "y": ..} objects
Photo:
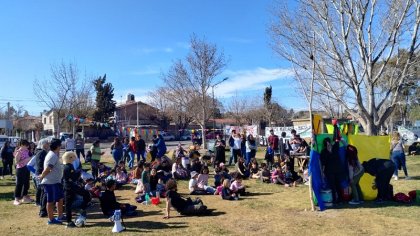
[
  {"x": 109, "y": 202},
  {"x": 237, "y": 187},
  {"x": 265, "y": 173},
  {"x": 226, "y": 193},
  {"x": 203, "y": 179},
  {"x": 254, "y": 171},
  {"x": 277, "y": 177},
  {"x": 121, "y": 176}
]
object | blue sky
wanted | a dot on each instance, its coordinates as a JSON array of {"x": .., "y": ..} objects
[{"x": 133, "y": 42}]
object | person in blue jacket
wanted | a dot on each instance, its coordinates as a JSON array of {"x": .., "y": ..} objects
[{"x": 161, "y": 146}]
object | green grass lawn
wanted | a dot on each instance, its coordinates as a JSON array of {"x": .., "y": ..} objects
[{"x": 270, "y": 209}]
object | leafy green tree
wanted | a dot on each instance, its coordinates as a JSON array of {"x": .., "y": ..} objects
[{"x": 105, "y": 105}]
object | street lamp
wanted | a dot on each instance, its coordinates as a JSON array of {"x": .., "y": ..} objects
[{"x": 214, "y": 104}]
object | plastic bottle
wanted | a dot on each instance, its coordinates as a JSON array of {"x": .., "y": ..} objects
[{"x": 147, "y": 199}]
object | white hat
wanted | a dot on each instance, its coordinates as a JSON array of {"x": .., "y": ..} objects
[{"x": 193, "y": 174}]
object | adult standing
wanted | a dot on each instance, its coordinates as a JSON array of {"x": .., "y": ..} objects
[
  {"x": 70, "y": 143},
  {"x": 382, "y": 170},
  {"x": 141, "y": 149},
  {"x": 153, "y": 150},
  {"x": 132, "y": 152},
  {"x": 231, "y": 144},
  {"x": 95, "y": 149},
  {"x": 22, "y": 173},
  {"x": 161, "y": 146},
  {"x": 219, "y": 148},
  {"x": 398, "y": 155},
  {"x": 51, "y": 180},
  {"x": 7, "y": 159},
  {"x": 273, "y": 142},
  {"x": 251, "y": 149},
  {"x": 41, "y": 198},
  {"x": 117, "y": 151},
  {"x": 237, "y": 143},
  {"x": 80, "y": 147},
  {"x": 331, "y": 167}
]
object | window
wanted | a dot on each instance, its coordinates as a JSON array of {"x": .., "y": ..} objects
[
  {"x": 45, "y": 120},
  {"x": 50, "y": 120}
]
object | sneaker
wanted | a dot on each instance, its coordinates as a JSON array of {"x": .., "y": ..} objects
[
  {"x": 62, "y": 218},
  {"x": 395, "y": 177},
  {"x": 70, "y": 225},
  {"x": 54, "y": 222},
  {"x": 407, "y": 177},
  {"x": 16, "y": 202},
  {"x": 354, "y": 202},
  {"x": 1, "y": 177},
  {"x": 43, "y": 214},
  {"x": 27, "y": 200}
]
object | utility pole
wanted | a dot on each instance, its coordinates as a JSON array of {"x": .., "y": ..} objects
[
  {"x": 8, "y": 119},
  {"x": 214, "y": 103}
]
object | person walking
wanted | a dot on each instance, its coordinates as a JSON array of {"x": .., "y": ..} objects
[
  {"x": 141, "y": 149},
  {"x": 398, "y": 155}
]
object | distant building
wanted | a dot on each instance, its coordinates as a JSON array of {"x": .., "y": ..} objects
[
  {"x": 132, "y": 113},
  {"x": 49, "y": 121},
  {"x": 6, "y": 127},
  {"x": 28, "y": 127}
]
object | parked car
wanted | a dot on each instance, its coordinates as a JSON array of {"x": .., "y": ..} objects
[
  {"x": 3, "y": 139},
  {"x": 14, "y": 141},
  {"x": 213, "y": 134},
  {"x": 168, "y": 137}
]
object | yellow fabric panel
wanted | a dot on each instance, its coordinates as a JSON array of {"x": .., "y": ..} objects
[
  {"x": 330, "y": 128},
  {"x": 317, "y": 122},
  {"x": 369, "y": 147}
]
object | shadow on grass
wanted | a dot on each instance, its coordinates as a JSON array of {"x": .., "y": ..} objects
[
  {"x": 142, "y": 226},
  {"x": 373, "y": 204},
  {"x": 8, "y": 196},
  {"x": 256, "y": 194}
]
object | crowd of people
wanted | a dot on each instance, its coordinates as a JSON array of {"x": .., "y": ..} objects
[{"x": 63, "y": 185}]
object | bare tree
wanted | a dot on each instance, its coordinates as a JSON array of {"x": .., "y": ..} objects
[
  {"x": 190, "y": 80},
  {"x": 237, "y": 107},
  {"x": 64, "y": 93},
  {"x": 355, "y": 41},
  {"x": 169, "y": 110}
]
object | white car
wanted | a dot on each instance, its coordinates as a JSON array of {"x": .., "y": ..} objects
[{"x": 168, "y": 137}]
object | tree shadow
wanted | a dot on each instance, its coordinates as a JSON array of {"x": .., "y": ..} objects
[
  {"x": 7, "y": 196},
  {"x": 373, "y": 205},
  {"x": 256, "y": 194},
  {"x": 142, "y": 226}
]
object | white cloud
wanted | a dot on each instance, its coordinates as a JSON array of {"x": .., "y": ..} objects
[
  {"x": 246, "y": 80},
  {"x": 147, "y": 71},
  {"x": 153, "y": 50}
]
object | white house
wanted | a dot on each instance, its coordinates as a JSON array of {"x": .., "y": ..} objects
[{"x": 50, "y": 122}]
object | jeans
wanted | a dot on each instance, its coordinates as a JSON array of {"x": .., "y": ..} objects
[
  {"x": 70, "y": 197},
  {"x": 131, "y": 159},
  {"x": 142, "y": 154},
  {"x": 356, "y": 191},
  {"x": 231, "y": 156},
  {"x": 22, "y": 182},
  {"x": 79, "y": 152},
  {"x": 399, "y": 160},
  {"x": 94, "y": 165},
  {"x": 7, "y": 167}
]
